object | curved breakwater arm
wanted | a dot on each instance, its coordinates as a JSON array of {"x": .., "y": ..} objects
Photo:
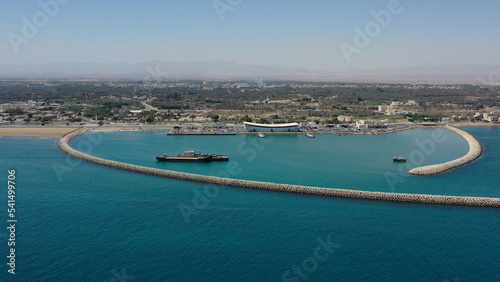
[
  {"x": 63, "y": 144},
  {"x": 475, "y": 151}
]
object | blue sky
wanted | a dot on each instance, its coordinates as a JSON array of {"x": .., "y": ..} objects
[{"x": 289, "y": 33}]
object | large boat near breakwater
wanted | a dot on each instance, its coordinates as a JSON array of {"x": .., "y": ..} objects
[{"x": 192, "y": 156}]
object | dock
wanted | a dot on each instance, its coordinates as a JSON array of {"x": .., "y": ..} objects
[{"x": 200, "y": 132}]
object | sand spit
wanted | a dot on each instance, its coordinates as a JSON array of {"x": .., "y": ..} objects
[
  {"x": 63, "y": 144},
  {"x": 475, "y": 151}
]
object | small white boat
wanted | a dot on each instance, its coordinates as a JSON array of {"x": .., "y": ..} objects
[
  {"x": 261, "y": 135},
  {"x": 310, "y": 135}
]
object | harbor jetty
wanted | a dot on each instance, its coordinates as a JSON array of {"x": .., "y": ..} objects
[
  {"x": 63, "y": 144},
  {"x": 475, "y": 151}
]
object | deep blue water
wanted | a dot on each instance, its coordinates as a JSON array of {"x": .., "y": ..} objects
[{"x": 83, "y": 222}]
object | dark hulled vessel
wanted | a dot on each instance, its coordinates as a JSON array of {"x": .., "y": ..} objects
[{"x": 192, "y": 156}]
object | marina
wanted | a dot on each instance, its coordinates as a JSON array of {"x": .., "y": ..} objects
[
  {"x": 195, "y": 131},
  {"x": 156, "y": 205},
  {"x": 335, "y": 192}
]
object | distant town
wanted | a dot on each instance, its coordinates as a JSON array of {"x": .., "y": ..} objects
[{"x": 197, "y": 102}]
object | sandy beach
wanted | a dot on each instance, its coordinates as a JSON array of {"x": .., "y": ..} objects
[{"x": 35, "y": 131}]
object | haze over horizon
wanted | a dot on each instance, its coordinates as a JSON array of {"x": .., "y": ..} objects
[{"x": 286, "y": 34}]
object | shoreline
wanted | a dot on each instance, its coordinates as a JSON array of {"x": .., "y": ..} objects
[
  {"x": 475, "y": 151},
  {"x": 55, "y": 132},
  {"x": 60, "y": 130},
  {"x": 63, "y": 145}
]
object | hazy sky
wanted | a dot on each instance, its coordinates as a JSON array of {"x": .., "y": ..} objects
[{"x": 291, "y": 33}]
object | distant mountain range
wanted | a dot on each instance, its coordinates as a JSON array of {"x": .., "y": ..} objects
[
  {"x": 217, "y": 69},
  {"x": 150, "y": 70}
]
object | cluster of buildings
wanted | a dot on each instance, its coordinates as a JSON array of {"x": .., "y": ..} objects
[
  {"x": 295, "y": 127},
  {"x": 371, "y": 123},
  {"x": 25, "y": 106},
  {"x": 19, "y": 113},
  {"x": 491, "y": 117},
  {"x": 210, "y": 85},
  {"x": 398, "y": 108}
]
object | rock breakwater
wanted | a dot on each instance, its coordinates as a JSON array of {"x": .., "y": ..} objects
[
  {"x": 63, "y": 144},
  {"x": 475, "y": 151}
]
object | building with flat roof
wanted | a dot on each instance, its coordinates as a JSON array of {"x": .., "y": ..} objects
[
  {"x": 259, "y": 127},
  {"x": 491, "y": 117},
  {"x": 343, "y": 118}
]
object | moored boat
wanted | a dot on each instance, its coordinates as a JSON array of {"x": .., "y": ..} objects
[
  {"x": 218, "y": 158},
  {"x": 310, "y": 135},
  {"x": 192, "y": 156},
  {"x": 261, "y": 135}
]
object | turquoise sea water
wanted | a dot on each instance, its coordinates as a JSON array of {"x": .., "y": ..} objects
[{"x": 83, "y": 222}]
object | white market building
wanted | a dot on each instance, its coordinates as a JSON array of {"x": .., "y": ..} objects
[{"x": 259, "y": 127}]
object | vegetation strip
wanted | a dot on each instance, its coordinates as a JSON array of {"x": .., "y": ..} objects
[
  {"x": 475, "y": 151},
  {"x": 63, "y": 144}
]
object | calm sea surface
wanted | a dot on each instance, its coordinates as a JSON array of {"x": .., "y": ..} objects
[{"x": 83, "y": 222}]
